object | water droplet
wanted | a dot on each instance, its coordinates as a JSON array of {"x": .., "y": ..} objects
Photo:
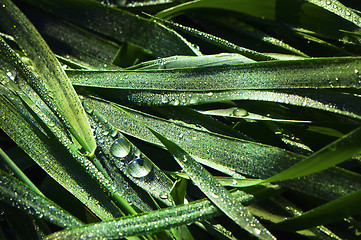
[
  {"x": 105, "y": 133},
  {"x": 120, "y": 148},
  {"x": 239, "y": 112},
  {"x": 114, "y": 134},
  {"x": 234, "y": 182},
  {"x": 348, "y": 13},
  {"x": 328, "y": 2},
  {"x": 163, "y": 195},
  {"x": 11, "y": 75},
  {"x": 256, "y": 231},
  {"x": 180, "y": 135},
  {"x": 139, "y": 168}
]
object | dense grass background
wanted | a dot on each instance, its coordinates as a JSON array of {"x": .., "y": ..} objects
[{"x": 206, "y": 119}]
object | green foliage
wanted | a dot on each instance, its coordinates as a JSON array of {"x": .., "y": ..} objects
[{"x": 204, "y": 119}]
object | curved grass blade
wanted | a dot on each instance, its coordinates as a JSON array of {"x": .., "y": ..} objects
[
  {"x": 310, "y": 73},
  {"x": 212, "y": 188},
  {"x": 127, "y": 158},
  {"x": 17, "y": 172},
  {"x": 231, "y": 155},
  {"x": 339, "y": 103},
  {"x": 327, "y": 213},
  {"x": 312, "y": 15},
  {"x": 217, "y": 41},
  {"x": 54, "y": 85},
  {"x": 15, "y": 193},
  {"x": 52, "y": 157},
  {"x": 339, "y": 151},
  {"x": 245, "y": 34},
  {"x": 147, "y": 223},
  {"x": 339, "y": 9},
  {"x": 154, "y": 38},
  {"x": 192, "y": 61}
]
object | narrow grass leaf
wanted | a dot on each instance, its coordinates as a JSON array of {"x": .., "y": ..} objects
[
  {"x": 310, "y": 73},
  {"x": 217, "y": 41},
  {"x": 231, "y": 155},
  {"x": 121, "y": 25},
  {"x": 22, "y": 197},
  {"x": 51, "y": 156},
  {"x": 213, "y": 189},
  {"x": 150, "y": 222},
  {"x": 335, "y": 102},
  {"x": 192, "y": 61},
  {"x": 317, "y": 16},
  {"x": 55, "y": 82},
  {"x": 327, "y": 213},
  {"x": 127, "y": 158}
]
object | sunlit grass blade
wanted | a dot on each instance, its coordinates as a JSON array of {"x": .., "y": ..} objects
[
  {"x": 310, "y": 73},
  {"x": 335, "y": 102},
  {"x": 53, "y": 158},
  {"x": 230, "y": 155},
  {"x": 318, "y": 16},
  {"x": 120, "y": 25},
  {"x": 55, "y": 87},
  {"x": 22, "y": 197},
  {"x": 17, "y": 172},
  {"x": 330, "y": 212},
  {"x": 213, "y": 189},
  {"x": 122, "y": 155},
  {"x": 192, "y": 61},
  {"x": 149, "y": 222},
  {"x": 229, "y": 46},
  {"x": 339, "y": 9}
]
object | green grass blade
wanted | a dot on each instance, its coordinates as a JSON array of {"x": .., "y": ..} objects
[
  {"x": 339, "y": 9},
  {"x": 22, "y": 197},
  {"x": 339, "y": 103},
  {"x": 17, "y": 172},
  {"x": 52, "y": 157},
  {"x": 213, "y": 189},
  {"x": 192, "y": 61},
  {"x": 125, "y": 157},
  {"x": 231, "y": 155},
  {"x": 310, "y": 73},
  {"x": 120, "y": 25},
  {"x": 218, "y": 41},
  {"x": 147, "y": 223},
  {"x": 55, "y": 82},
  {"x": 313, "y": 15},
  {"x": 330, "y": 212}
]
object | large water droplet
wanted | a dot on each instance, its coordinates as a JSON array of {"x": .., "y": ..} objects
[
  {"x": 163, "y": 195},
  {"x": 120, "y": 148},
  {"x": 239, "y": 112},
  {"x": 139, "y": 168}
]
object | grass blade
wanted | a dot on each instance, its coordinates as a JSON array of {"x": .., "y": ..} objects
[
  {"x": 18, "y": 195},
  {"x": 330, "y": 212},
  {"x": 146, "y": 223},
  {"x": 120, "y": 25},
  {"x": 329, "y": 72},
  {"x": 213, "y": 189},
  {"x": 55, "y": 83}
]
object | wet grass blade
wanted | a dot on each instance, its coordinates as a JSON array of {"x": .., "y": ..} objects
[
  {"x": 318, "y": 16},
  {"x": 330, "y": 212},
  {"x": 310, "y": 73},
  {"x": 15, "y": 193},
  {"x": 52, "y": 157},
  {"x": 213, "y": 189},
  {"x": 147, "y": 223},
  {"x": 217, "y": 41},
  {"x": 55, "y": 87},
  {"x": 231, "y": 155},
  {"x": 120, "y": 25}
]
